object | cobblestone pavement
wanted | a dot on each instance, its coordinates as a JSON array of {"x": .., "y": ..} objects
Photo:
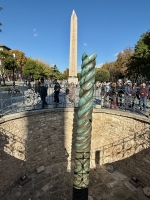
[{"x": 56, "y": 184}]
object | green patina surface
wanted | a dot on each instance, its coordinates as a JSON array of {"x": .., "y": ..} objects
[{"x": 83, "y": 138}]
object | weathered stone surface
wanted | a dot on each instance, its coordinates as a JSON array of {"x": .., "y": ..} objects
[
  {"x": 146, "y": 191},
  {"x": 73, "y": 47},
  {"x": 47, "y": 138},
  {"x": 40, "y": 169},
  {"x": 131, "y": 187},
  {"x": 90, "y": 198}
]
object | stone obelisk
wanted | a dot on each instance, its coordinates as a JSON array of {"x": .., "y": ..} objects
[{"x": 73, "y": 49}]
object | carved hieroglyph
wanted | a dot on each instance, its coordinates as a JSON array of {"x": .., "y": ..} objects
[{"x": 73, "y": 46}]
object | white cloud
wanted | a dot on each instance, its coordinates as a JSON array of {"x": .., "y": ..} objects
[
  {"x": 79, "y": 68},
  {"x": 99, "y": 65},
  {"x": 116, "y": 54},
  {"x": 85, "y": 44},
  {"x": 35, "y": 34}
]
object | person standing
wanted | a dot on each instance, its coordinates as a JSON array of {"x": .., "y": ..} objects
[
  {"x": 120, "y": 92},
  {"x": 103, "y": 94},
  {"x": 113, "y": 95},
  {"x": 56, "y": 91},
  {"x": 28, "y": 85},
  {"x": 128, "y": 94},
  {"x": 143, "y": 96},
  {"x": 43, "y": 92}
]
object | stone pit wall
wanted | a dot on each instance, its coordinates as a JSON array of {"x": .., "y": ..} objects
[
  {"x": 122, "y": 140},
  {"x": 31, "y": 139}
]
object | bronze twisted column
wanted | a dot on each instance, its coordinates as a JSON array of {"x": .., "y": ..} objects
[{"x": 83, "y": 137}]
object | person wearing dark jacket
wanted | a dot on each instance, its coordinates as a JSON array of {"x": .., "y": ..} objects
[
  {"x": 113, "y": 95},
  {"x": 43, "y": 93},
  {"x": 120, "y": 92},
  {"x": 56, "y": 91}
]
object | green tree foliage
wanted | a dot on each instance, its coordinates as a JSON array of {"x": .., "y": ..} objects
[
  {"x": 102, "y": 74},
  {"x": 66, "y": 74},
  {"x": 37, "y": 68},
  {"x": 30, "y": 68},
  {"x": 56, "y": 74},
  {"x": 43, "y": 69},
  {"x": 79, "y": 76},
  {"x": 111, "y": 67},
  {"x": 20, "y": 59},
  {"x": 7, "y": 61},
  {"x": 139, "y": 63}
]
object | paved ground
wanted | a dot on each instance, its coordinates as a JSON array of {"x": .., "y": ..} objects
[{"x": 56, "y": 184}]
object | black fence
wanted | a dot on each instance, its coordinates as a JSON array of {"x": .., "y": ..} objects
[{"x": 20, "y": 98}]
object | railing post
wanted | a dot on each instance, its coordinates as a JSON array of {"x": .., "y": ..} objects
[
  {"x": 83, "y": 138},
  {"x": 1, "y": 102}
]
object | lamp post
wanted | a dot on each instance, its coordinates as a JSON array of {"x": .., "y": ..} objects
[
  {"x": 14, "y": 56},
  {"x": 83, "y": 138}
]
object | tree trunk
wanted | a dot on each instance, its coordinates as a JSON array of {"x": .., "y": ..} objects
[{"x": 13, "y": 77}]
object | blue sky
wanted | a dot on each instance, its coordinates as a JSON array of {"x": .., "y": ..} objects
[{"x": 41, "y": 29}]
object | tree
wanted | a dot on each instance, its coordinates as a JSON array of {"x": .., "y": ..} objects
[
  {"x": 37, "y": 68},
  {"x": 111, "y": 67},
  {"x": 56, "y": 73},
  {"x": 45, "y": 70},
  {"x": 117, "y": 69},
  {"x": 7, "y": 62},
  {"x": 66, "y": 74},
  {"x": 30, "y": 67},
  {"x": 139, "y": 63},
  {"x": 20, "y": 59},
  {"x": 79, "y": 76},
  {"x": 121, "y": 62},
  {"x": 102, "y": 75}
]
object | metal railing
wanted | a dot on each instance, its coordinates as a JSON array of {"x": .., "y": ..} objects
[
  {"x": 123, "y": 148},
  {"x": 13, "y": 100}
]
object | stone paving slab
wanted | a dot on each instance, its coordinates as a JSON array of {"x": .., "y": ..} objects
[
  {"x": 130, "y": 186},
  {"x": 55, "y": 183}
]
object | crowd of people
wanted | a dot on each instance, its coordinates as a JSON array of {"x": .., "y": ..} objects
[
  {"x": 124, "y": 94},
  {"x": 40, "y": 88},
  {"x": 115, "y": 94}
]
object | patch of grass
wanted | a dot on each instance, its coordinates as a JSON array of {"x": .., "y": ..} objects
[{"x": 5, "y": 86}]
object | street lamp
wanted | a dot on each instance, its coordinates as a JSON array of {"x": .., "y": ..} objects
[{"x": 14, "y": 56}]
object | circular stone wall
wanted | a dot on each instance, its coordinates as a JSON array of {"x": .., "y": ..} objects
[{"x": 47, "y": 138}]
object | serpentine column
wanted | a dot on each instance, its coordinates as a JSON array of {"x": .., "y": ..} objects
[{"x": 83, "y": 137}]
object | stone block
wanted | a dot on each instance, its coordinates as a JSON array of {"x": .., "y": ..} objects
[
  {"x": 118, "y": 176},
  {"x": 146, "y": 191},
  {"x": 135, "y": 184},
  {"x": 98, "y": 106},
  {"x": 128, "y": 185},
  {"x": 40, "y": 169}
]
